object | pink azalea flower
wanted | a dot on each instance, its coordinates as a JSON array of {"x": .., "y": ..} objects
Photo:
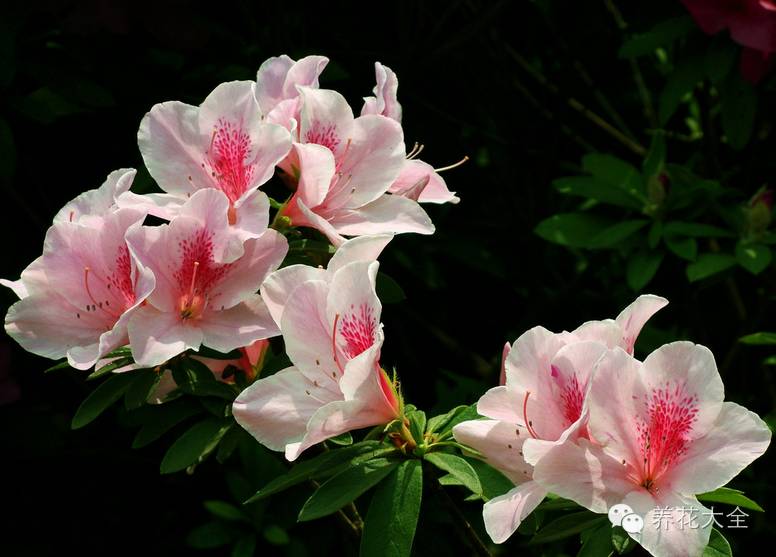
[
  {"x": 98, "y": 202},
  {"x": 659, "y": 434},
  {"x": 541, "y": 404},
  {"x": 345, "y": 166},
  {"x": 752, "y": 24},
  {"x": 279, "y": 285},
  {"x": 417, "y": 180},
  {"x": 77, "y": 298},
  {"x": 385, "y": 101},
  {"x": 206, "y": 282},
  {"x": 333, "y": 337},
  {"x": 221, "y": 145},
  {"x": 276, "y": 87}
]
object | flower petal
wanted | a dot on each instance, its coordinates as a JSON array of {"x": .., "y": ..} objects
[
  {"x": 737, "y": 438},
  {"x": 500, "y": 443},
  {"x": 503, "y": 514},
  {"x": 388, "y": 214},
  {"x": 156, "y": 336},
  {"x": 237, "y": 326},
  {"x": 633, "y": 318},
  {"x": 276, "y": 409}
]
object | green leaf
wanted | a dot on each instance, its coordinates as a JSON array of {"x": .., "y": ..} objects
[
  {"x": 245, "y": 546},
  {"x": 210, "y": 535},
  {"x": 720, "y": 58},
  {"x": 709, "y": 264},
  {"x": 718, "y": 545},
  {"x": 388, "y": 290},
  {"x": 654, "y": 235},
  {"x": 568, "y": 525},
  {"x": 739, "y": 105},
  {"x": 328, "y": 463},
  {"x": 101, "y": 398},
  {"x": 443, "y": 423},
  {"x": 141, "y": 388},
  {"x": 755, "y": 258},
  {"x": 340, "y": 490},
  {"x": 393, "y": 513},
  {"x": 730, "y": 497},
  {"x": 759, "y": 339},
  {"x": 122, "y": 352},
  {"x": 229, "y": 443},
  {"x": 417, "y": 420},
  {"x": 163, "y": 419},
  {"x": 686, "y": 75},
  {"x": 226, "y": 511},
  {"x": 343, "y": 439},
  {"x": 598, "y": 543},
  {"x": 275, "y": 535},
  {"x": 642, "y": 267},
  {"x": 61, "y": 365},
  {"x": 621, "y": 541},
  {"x": 493, "y": 482},
  {"x": 696, "y": 230},
  {"x": 196, "y": 442},
  {"x": 458, "y": 467},
  {"x": 572, "y": 229},
  {"x": 656, "y": 157},
  {"x": 613, "y": 235},
  {"x": 195, "y": 378},
  {"x": 559, "y": 504},
  {"x": 686, "y": 248},
  {"x": 615, "y": 172},
  {"x": 106, "y": 369},
  {"x": 591, "y": 188},
  {"x": 661, "y": 35}
]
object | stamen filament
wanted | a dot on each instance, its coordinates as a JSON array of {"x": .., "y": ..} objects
[
  {"x": 450, "y": 167},
  {"x": 528, "y": 425}
]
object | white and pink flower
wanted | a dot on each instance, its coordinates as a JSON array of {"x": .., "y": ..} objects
[
  {"x": 659, "y": 433},
  {"x": 542, "y": 404},
  {"x": 78, "y": 297},
  {"x": 221, "y": 145},
  {"x": 207, "y": 280},
  {"x": 333, "y": 337}
]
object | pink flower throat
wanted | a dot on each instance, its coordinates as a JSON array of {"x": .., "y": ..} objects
[{"x": 197, "y": 275}]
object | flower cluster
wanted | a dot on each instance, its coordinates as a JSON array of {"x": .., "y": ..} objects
[
  {"x": 107, "y": 278},
  {"x": 580, "y": 417}
]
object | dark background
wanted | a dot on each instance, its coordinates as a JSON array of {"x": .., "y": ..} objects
[{"x": 77, "y": 77}]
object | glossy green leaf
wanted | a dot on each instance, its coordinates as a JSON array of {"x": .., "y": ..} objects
[
  {"x": 621, "y": 541},
  {"x": 730, "y": 496},
  {"x": 112, "y": 366},
  {"x": 572, "y": 229},
  {"x": 390, "y": 523},
  {"x": 226, "y": 511},
  {"x": 755, "y": 258},
  {"x": 686, "y": 75},
  {"x": 613, "y": 235},
  {"x": 106, "y": 393},
  {"x": 443, "y": 423},
  {"x": 642, "y": 268},
  {"x": 686, "y": 248},
  {"x": 759, "y": 339},
  {"x": 343, "y": 439},
  {"x": 615, "y": 172},
  {"x": 591, "y": 188},
  {"x": 141, "y": 388},
  {"x": 709, "y": 264},
  {"x": 493, "y": 482},
  {"x": 325, "y": 464},
  {"x": 696, "y": 230},
  {"x": 661, "y": 35},
  {"x": 598, "y": 543},
  {"x": 163, "y": 419},
  {"x": 718, "y": 546},
  {"x": 276, "y": 535},
  {"x": 196, "y": 442},
  {"x": 655, "y": 234},
  {"x": 343, "y": 488},
  {"x": 656, "y": 156},
  {"x": 458, "y": 467},
  {"x": 568, "y": 525}
]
